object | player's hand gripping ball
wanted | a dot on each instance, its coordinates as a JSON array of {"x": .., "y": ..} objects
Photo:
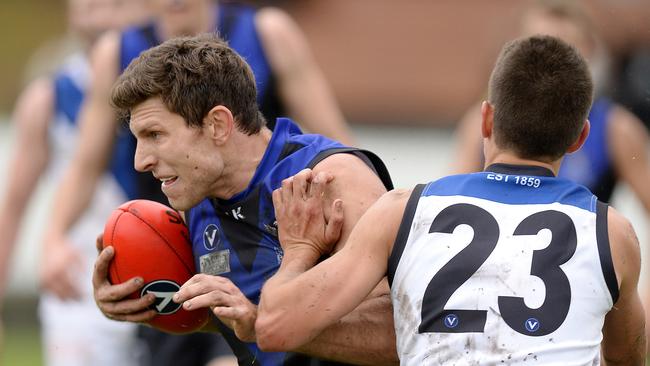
[{"x": 152, "y": 241}]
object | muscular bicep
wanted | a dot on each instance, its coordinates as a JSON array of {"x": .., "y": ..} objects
[{"x": 355, "y": 183}]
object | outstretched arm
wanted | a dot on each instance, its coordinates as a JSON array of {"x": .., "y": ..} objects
[
  {"x": 624, "y": 341},
  {"x": 350, "y": 276},
  {"x": 30, "y": 156},
  {"x": 302, "y": 85}
]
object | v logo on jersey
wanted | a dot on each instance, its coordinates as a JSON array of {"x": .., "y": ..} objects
[
  {"x": 211, "y": 237},
  {"x": 532, "y": 325},
  {"x": 451, "y": 321}
]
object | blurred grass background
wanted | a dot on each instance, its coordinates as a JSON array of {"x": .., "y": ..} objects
[
  {"x": 25, "y": 26},
  {"x": 22, "y": 343}
]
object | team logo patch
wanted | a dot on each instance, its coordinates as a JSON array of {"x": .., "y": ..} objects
[
  {"x": 163, "y": 290},
  {"x": 451, "y": 321},
  {"x": 215, "y": 263},
  {"x": 532, "y": 325},
  {"x": 211, "y": 237}
]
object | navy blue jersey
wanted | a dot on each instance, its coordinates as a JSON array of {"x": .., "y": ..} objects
[
  {"x": 236, "y": 24},
  {"x": 237, "y": 238},
  {"x": 591, "y": 166}
]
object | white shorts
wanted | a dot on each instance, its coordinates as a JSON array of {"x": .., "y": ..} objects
[{"x": 76, "y": 333}]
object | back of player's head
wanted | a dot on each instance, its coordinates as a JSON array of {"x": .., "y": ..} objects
[
  {"x": 541, "y": 91},
  {"x": 192, "y": 75}
]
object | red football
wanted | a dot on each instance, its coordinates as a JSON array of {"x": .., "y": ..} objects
[{"x": 152, "y": 241}]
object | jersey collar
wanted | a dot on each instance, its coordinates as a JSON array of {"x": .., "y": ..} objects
[{"x": 513, "y": 169}]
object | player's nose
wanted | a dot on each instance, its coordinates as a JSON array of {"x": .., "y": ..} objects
[{"x": 144, "y": 159}]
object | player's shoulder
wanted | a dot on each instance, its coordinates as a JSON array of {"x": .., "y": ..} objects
[
  {"x": 336, "y": 162},
  {"x": 397, "y": 196},
  {"x": 281, "y": 36},
  {"x": 344, "y": 164},
  {"x": 624, "y": 245},
  {"x": 620, "y": 228},
  {"x": 273, "y": 20},
  {"x": 106, "y": 47},
  {"x": 37, "y": 98}
]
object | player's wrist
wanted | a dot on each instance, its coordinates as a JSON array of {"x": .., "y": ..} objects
[{"x": 300, "y": 257}]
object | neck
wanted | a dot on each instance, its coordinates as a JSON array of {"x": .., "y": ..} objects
[
  {"x": 241, "y": 159},
  {"x": 506, "y": 157}
]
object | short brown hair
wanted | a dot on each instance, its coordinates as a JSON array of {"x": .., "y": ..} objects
[
  {"x": 192, "y": 75},
  {"x": 541, "y": 91}
]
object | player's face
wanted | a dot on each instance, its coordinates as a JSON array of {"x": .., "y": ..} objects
[{"x": 183, "y": 158}]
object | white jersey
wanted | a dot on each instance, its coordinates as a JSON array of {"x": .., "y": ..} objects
[
  {"x": 70, "y": 84},
  {"x": 76, "y": 333},
  {"x": 507, "y": 266}
]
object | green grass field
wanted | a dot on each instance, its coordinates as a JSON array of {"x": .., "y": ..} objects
[
  {"x": 22, "y": 340},
  {"x": 22, "y": 347}
]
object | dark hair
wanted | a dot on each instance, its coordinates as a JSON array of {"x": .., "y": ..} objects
[
  {"x": 191, "y": 75},
  {"x": 541, "y": 91}
]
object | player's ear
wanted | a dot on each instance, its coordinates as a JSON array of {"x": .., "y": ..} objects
[
  {"x": 487, "y": 119},
  {"x": 219, "y": 123},
  {"x": 581, "y": 138}
]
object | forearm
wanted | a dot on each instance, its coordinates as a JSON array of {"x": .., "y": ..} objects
[
  {"x": 278, "y": 301},
  {"x": 10, "y": 222},
  {"x": 365, "y": 336}
]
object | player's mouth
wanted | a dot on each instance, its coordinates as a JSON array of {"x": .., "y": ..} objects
[{"x": 167, "y": 182}]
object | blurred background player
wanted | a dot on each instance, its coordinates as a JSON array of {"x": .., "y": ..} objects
[
  {"x": 288, "y": 80},
  {"x": 74, "y": 332},
  {"x": 617, "y": 147}
]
